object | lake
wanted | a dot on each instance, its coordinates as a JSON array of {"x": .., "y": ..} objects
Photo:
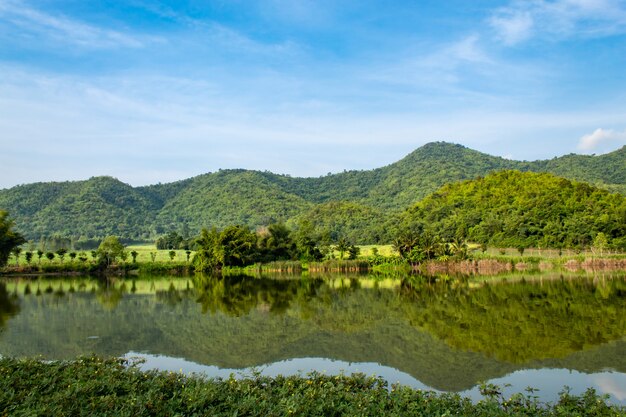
[{"x": 542, "y": 331}]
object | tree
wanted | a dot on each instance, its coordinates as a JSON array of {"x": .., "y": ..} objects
[
  {"x": 40, "y": 254},
  {"x": 458, "y": 247},
  {"x": 208, "y": 256},
  {"x": 599, "y": 243},
  {"x": 61, "y": 254},
  {"x": 188, "y": 253},
  {"x": 16, "y": 253},
  {"x": 308, "y": 242},
  {"x": 73, "y": 256},
  {"x": 50, "y": 256},
  {"x": 406, "y": 242},
  {"x": 110, "y": 249},
  {"x": 134, "y": 254},
  {"x": 172, "y": 255},
  {"x": 353, "y": 252},
  {"x": 239, "y": 246},
  {"x": 342, "y": 247},
  {"x": 278, "y": 244},
  {"x": 29, "y": 257},
  {"x": 9, "y": 239},
  {"x": 170, "y": 241}
]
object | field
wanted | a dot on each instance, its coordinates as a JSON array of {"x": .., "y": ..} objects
[{"x": 145, "y": 252}]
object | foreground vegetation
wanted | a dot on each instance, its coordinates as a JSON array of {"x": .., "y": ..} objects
[{"x": 95, "y": 386}]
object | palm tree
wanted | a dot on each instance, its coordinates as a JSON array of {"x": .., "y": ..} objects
[{"x": 458, "y": 246}]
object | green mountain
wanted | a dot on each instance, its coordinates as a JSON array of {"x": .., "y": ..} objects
[
  {"x": 449, "y": 336},
  {"x": 101, "y": 205},
  {"x": 513, "y": 208}
]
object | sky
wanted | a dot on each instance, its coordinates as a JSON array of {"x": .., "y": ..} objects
[{"x": 157, "y": 91}]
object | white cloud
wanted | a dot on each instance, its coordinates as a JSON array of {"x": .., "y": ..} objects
[
  {"x": 613, "y": 384},
  {"x": 66, "y": 30},
  {"x": 513, "y": 27},
  {"x": 601, "y": 139},
  {"x": 522, "y": 20}
]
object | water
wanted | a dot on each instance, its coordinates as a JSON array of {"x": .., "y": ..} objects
[{"x": 545, "y": 332}]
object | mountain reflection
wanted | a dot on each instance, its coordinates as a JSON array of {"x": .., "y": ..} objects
[{"x": 448, "y": 333}]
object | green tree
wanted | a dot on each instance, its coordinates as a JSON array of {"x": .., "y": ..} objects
[
  {"x": 40, "y": 254},
  {"x": 239, "y": 246},
  {"x": 172, "y": 255},
  {"x": 134, "y": 254},
  {"x": 16, "y": 254},
  {"x": 342, "y": 247},
  {"x": 307, "y": 242},
  {"x": 50, "y": 256},
  {"x": 61, "y": 254},
  {"x": 73, "y": 255},
  {"x": 406, "y": 242},
  {"x": 9, "y": 239},
  {"x": 209, "y": 254},
  {"x": 170, "y": 241},
  {"x": 353, "y": 252},
  {"x": 278, "y": 243},
  {"x": 29, "y": 257},
  {"x": 110, "y": 249},
  {"x": 458, "y": 247},
  {"x": 599, "y": 243}
]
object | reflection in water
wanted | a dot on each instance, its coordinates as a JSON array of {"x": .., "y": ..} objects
[
  {"x": 448, "y": 333},
  {"x": 9, "y": 305}
]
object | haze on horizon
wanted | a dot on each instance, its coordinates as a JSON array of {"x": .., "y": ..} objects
[{"x": 159, "y": 91}]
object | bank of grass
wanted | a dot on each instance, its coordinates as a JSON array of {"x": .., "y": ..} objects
[
  {"x": 150, "y": 260},
  {"x": 94, "y": 386}
]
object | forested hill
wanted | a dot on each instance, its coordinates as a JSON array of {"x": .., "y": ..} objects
[
  {"x": 102, "y": 205},
  {"x": 522, "y": 209}
]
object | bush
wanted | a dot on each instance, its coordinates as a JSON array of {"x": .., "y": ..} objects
[{"x": 95, "y": 386}]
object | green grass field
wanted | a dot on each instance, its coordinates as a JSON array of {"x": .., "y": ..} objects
[{"x": 145, "y": 251}]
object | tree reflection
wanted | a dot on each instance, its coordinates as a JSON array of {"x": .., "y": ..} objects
[{"x": 9, "y": 305}]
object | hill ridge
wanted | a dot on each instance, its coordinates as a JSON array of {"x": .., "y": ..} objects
[{"x": 103, "y": 205}]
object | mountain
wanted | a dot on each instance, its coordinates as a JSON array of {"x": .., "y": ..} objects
[
  {"x": 102, "y": 205},
  {"x": 99, "y": 206},
  {"x": 523, "y": 209},
  {"x": 230, "y": 197}
]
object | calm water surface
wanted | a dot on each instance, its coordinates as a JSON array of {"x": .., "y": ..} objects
[{"x": 544, "y": 332}]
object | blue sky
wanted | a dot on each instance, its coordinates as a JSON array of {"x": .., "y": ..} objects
[{"x": 155, "y": 91}]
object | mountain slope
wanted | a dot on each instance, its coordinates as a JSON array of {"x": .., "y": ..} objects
[
  {"x": 513, "y": 208},
  {"x": 229, "y": 197},
  {"x": 103, "y": 205},
  {"x": 99, "y": 206}
]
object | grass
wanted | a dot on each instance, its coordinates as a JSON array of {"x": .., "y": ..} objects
[
  {"x": 387, "y": 260},
  {"x": 94, "y": 386}
]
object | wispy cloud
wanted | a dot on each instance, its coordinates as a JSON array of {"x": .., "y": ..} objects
[
  {"x": 522, "y": 20},
  {"x": 64, "y": 29},
  {"x": 513, "y": 26},
  {"x": 613, "y": 384},
  {"x": 602, "y": 139},
  {"x": 220, "y": 35}
]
